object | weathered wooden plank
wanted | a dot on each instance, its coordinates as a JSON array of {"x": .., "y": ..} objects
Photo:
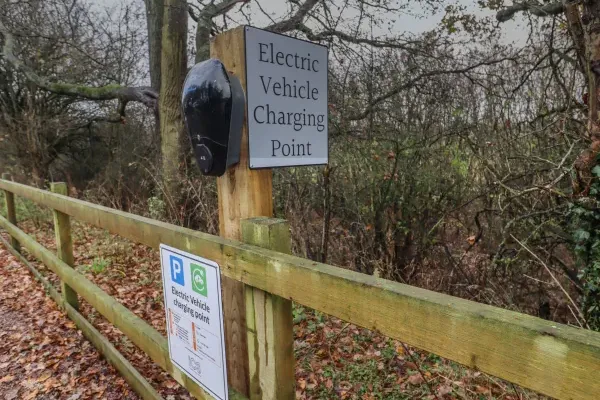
[
  {"x": 64, "y": 243},
  {"x": 148, "y": 339},
  {"x": 554, "y": 359},
  {"x": 269, "y": 320},
  {"x": 243, "y": 193},
  {"x": 11, "y": 211},
  {"x": 121, "y": 364}
]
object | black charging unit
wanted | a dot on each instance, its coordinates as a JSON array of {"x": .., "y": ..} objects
[{"x": 213, "y": 104}]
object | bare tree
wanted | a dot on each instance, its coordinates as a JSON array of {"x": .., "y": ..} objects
[
  {"x": 583, "y": 20},
  {"x": 67, "y": 39}
]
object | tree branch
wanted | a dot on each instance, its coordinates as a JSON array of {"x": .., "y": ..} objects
[
  {"x": 534, "y": 8},
  {"x": 295, "y": 20},
  {"x": 145, "y": 95},
  {"x": 212, "y": 10},
  {"x": 328, "y": 33},
  {"x": 203, "y": 29},
  {"x": 577, "y": 34},
  {"x": 223, "y": 7},
  {"x": 412, "y": 82}
]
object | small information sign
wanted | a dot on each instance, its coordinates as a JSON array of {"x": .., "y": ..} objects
[{"x": 192, "y": 291}]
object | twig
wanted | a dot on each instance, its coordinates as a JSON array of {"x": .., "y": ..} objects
[
  {"x": 516, "y": 391},
  {"x": 537, "y": 280},
  {"x": 420, "y": 372},
  {"x": 334, "y": 339},
  {"x": 553, "y": 278},
  {"x": 575, "y": 316}
]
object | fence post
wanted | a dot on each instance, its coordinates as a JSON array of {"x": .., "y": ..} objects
[
  {"x": 11, "y": 211},
  {"x": 269, "y": 320},
  {"x": 242, "y": 193},
  {"x": 64, "y": 243}
]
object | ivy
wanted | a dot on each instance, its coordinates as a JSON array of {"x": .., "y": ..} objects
[{"x": 585, "y": 221}]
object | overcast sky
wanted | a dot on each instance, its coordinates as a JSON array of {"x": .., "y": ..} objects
[{"x": 512, "y": 31}]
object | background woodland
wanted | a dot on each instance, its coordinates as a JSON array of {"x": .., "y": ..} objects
[{"x": 459, "y": 161}]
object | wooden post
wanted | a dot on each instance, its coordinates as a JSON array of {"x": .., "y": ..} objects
[
  {"x": 243, "y": 193},
  {"x": 269, "y": 320},
  {"x": 11, "y": 211},
  {"x": 64, "y": 243}
]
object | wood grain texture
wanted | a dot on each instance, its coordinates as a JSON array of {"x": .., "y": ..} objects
[
  {"x": 269, "y": 320},
  {"x": 243, "y": 193},
  {"x": 11, "y": 211},
  {"x": 64, "y": 243},
  {"x": 551, "y": 358},
  {"x": 139, "y": 384}
]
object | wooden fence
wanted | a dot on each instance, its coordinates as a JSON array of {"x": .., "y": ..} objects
[{"x": 551, "y": 358}]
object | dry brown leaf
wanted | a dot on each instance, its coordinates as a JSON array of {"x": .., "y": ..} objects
[
  {"x": 482, "y": 389},
  {"x": 7, "y": 378},
  {"x": 31, "y": 395},
  {"x": 444, "y": 390},
  {"x": 170, "y": 384},
  {"x": 345, "y": 385},
  {"x": 44, "y": 377},
  {"x": 411, "y": 365},
  {"x": 12, "y": 394},
  {"x": 415, "y": 379},
  {"x": 70, "y": 325}
]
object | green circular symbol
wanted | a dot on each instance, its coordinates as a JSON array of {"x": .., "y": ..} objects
[{"x": 199, "y": 280}]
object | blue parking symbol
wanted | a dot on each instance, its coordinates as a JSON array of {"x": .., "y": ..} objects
[{"x": 177, "y": 270}]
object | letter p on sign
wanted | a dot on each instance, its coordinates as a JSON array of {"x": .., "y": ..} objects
[{"x": 177, "y": 270}]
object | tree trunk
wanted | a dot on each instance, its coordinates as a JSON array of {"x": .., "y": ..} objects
[
  {"x": 173, "y": 71},
  {"x": 402, "y": 245},
  {"x": 591, "y": 17},
  {"x": 154, "y": 19},
  {"x": 586, "y": 161},
  {"x": 326, "y": 214},
  {"x": 203, "y": 38}
]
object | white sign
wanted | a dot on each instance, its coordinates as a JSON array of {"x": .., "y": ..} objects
[
  {"x": 192, "y": 291},
  {"x": 287, "y": 100}
]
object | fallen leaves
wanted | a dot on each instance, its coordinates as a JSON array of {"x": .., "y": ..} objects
[
  {"x": 12, "y": 394},
  {"x": 42, "y": 354}
]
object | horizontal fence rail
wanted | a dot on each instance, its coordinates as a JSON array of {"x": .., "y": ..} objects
[{"x": 551, "y": 358}]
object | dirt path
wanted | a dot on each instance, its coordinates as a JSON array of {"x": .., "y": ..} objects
[{"x": 42, "y": 354}]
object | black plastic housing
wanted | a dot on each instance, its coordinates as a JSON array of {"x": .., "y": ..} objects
[{"x": 213, "y": 104}]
